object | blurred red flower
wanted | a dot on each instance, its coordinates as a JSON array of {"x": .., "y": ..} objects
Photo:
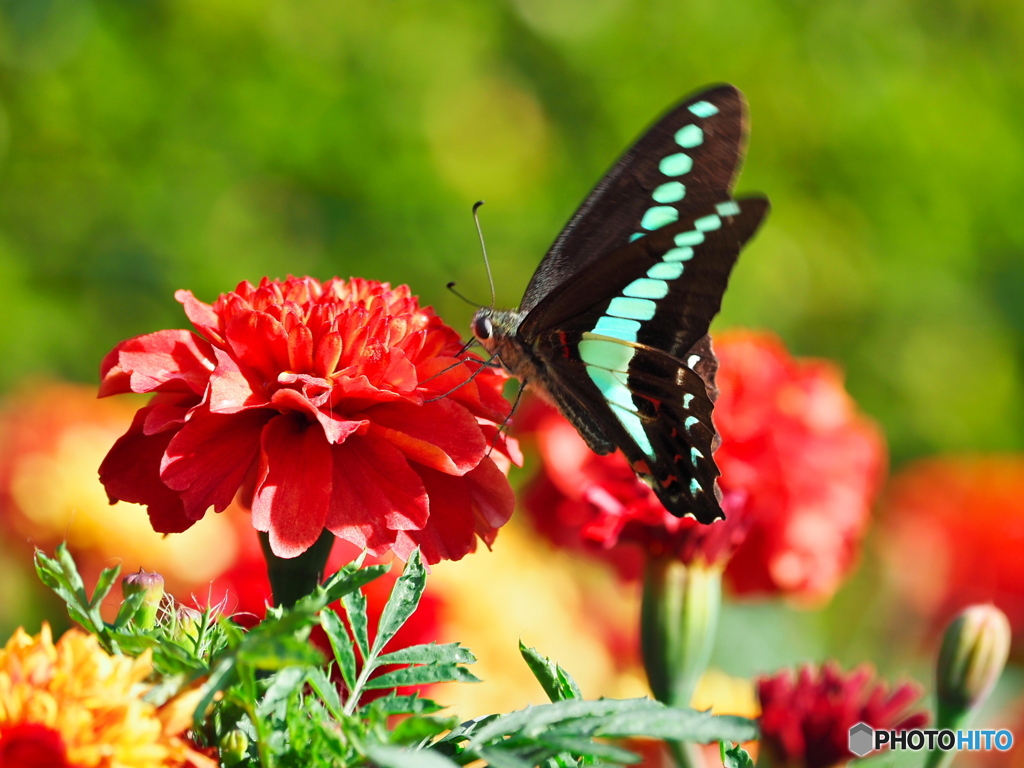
[
  {"x": 338, "y": 404},
  {"x": 806, "y": 717},
  {"x": 954, "y": 533},
  {"x": 800, "y": 470}
]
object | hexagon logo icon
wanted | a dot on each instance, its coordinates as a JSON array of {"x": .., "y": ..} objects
[{"x": 862, "y": 739}]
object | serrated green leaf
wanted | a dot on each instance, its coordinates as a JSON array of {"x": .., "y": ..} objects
[
  {"x": 282, "y": 686},
  {"x": 534, "y": 720},
  {"x": 497, "y": 759},
  {"x": 416, "y": 728},
  {"x": 429, "y": 653},
  {"x": 405, "y": 597},
  {"x": 103, "y": 585},
  {"x": 128, "y": 609},
  {"x": 278, "y": 652},
  {"x": 423, "y": 675},
  {"x": 545, "y": 670},
  {"x": 393, "y": 704},
  {"x": 325, "y": 688},
  {"x": 678, "y": 724},
  {"x": 576, "y": 745},
  {"x": 341, "y": 583},
  {"x": 355, "y": 610},
  {"x": 70, "y": 573},
  {"x": 397, "y": 757},
  {"x": 736, "y": 756},
  {"x": 567, "y": 685},
  {"x": 341, "y": 645},
  {"x": 222, "y": 675}
]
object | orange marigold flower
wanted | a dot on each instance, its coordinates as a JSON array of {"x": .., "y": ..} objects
[
  {"x": 800, "y": 470},
  {"x": 71, "y": 705},
  {"x": 954, "y": 533},
  {"x": 338, "y": 405},
  {"x": 806, "y": 717}
]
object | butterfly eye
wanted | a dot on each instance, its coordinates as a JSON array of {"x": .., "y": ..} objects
[{"x": 482, "y": 327}]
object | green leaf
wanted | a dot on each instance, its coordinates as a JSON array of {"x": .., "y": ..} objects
[
  {"x": 430, "y": 653},
  {"x": 535, "y": 720},
  {"x": 282, "y": 686},
  {"x": 396, "y": 757},
  {"x": 736, "y": 756},
  {"x": 61, "y": 575},
  {"x": 424, "y": 675},
  {"x": 221, "y": 677},
  {"x": 355, "y": 609},
  {"x": 415, "y": 729},
  {"x": 583, "y": 746},
  {"x": 103, "y": 585},
  {"x": 405, "y": 597},
  {"x": 497, "y": 759},
  {"x": 341, "y": 645},
  {"x": 558, "y": 684},
  {"x": 277, "y": 651},
  {"x": 70, "y": 572},
  {"x": 128, "y": 609},
  {"x": 325, "y": 688},
  {"x": 678, "y": 724},
  {"x": 394, "y": 704}
]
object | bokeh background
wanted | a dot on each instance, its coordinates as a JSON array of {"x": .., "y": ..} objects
[{"x": 151, "y": 145}]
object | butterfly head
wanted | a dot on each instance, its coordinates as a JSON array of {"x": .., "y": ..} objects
[{"x": 483, "y": 327}]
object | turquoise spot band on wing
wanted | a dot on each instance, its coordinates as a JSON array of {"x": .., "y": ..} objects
[
  {"x": 730, "y": 208},
  {"x": 703, "y": 109},
  {"x": 669, "y": 192},
  {"x": 659, "y": 216},
  {"x": 708, "y": 223},
  {"x": 666, "y": 270},
  {"x": 646, "y": 288},
  {"x": 603, "y": 353},
  {"x": 676, "y": 165},
  {"x": 631, "y": 309},
  {"x": 614, "y": 389},
  {"x": 618, "y": 328},
  {"x": 689, "y": 136}
]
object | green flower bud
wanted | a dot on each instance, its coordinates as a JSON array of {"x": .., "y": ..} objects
[
  {"x": 234, "y": 747},
  {"x": 972, "y": 657},
  {"x": 151, "y": 585}
]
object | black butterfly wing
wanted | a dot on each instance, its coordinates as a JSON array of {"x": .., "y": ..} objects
[
  {"x": 626, "y": 355},
  {"x": 687, "y": 160}
]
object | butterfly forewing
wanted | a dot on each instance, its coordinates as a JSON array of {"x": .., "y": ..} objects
[
  {"x": 613, "y": 326},
  {"x": 687, "y": 160}
]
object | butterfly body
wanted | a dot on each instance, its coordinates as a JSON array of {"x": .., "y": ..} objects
[{"x": 613, "y": 326}]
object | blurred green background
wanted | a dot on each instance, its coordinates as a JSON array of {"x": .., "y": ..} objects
[{"x": 150, "y": 145}]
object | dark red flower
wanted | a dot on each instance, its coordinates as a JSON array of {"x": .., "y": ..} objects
[
  {"x": 340, "y": 405},
  {"x": 954, "y": 533},
  {"x": 31, "y": 745},
  {"x": 800, "y": 469},
  {"x": 806, "y": 717}
]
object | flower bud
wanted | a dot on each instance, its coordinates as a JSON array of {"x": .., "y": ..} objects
[
  {"x": 971, "y": 659},
  {"x": 151, "y": 585},
  {"x": 234, "y": 747}
]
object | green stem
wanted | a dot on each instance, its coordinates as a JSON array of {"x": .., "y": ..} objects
[
  {"x": 946, "y": 720},
  {"x": 292, "y": 578},
  {"x": 678, "y": 622}
]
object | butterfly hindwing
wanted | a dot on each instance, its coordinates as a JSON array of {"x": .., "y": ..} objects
[{"x": 685, "y": 161}]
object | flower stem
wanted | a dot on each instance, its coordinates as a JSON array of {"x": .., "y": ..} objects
[
  {"x": 678, "y": 621},
  {"x": 292, "y": 578}
]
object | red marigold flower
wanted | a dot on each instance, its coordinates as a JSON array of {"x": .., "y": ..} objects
[
  {"x": 806, "y": 717},
  {"x": 954, "y": 532},
  {"x": 800, "y": 469},
  {"x": 338, "y": 405}
]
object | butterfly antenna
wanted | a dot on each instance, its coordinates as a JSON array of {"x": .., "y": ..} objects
[
  {"x": 483, "y": 247},
  {"x": 485, "y": 364},
  {"x": 451, "y": 287},
  {"x": 507, "y": 419}
]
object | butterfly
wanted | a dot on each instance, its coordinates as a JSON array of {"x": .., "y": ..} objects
[{"x": 613, "y": 328}]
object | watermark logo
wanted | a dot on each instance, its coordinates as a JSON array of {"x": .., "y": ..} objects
[{"x": 864, "y": 739}]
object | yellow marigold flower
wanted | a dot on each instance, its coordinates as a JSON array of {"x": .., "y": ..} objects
[{"x": 71, "y": 705}]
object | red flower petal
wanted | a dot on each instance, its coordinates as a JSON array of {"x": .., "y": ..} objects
[
  {"x": 286, "y": 503},
  {"x": 209, "y": 457},
  {"x": 201, "y": 315},
  {"x": 162, "y": 361},
  {"x": 376, "y": 493},
  {"x": 131, "y": 472},
  {"x": 454, "y": 449},
  {"x": 31, "y": 745}
]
